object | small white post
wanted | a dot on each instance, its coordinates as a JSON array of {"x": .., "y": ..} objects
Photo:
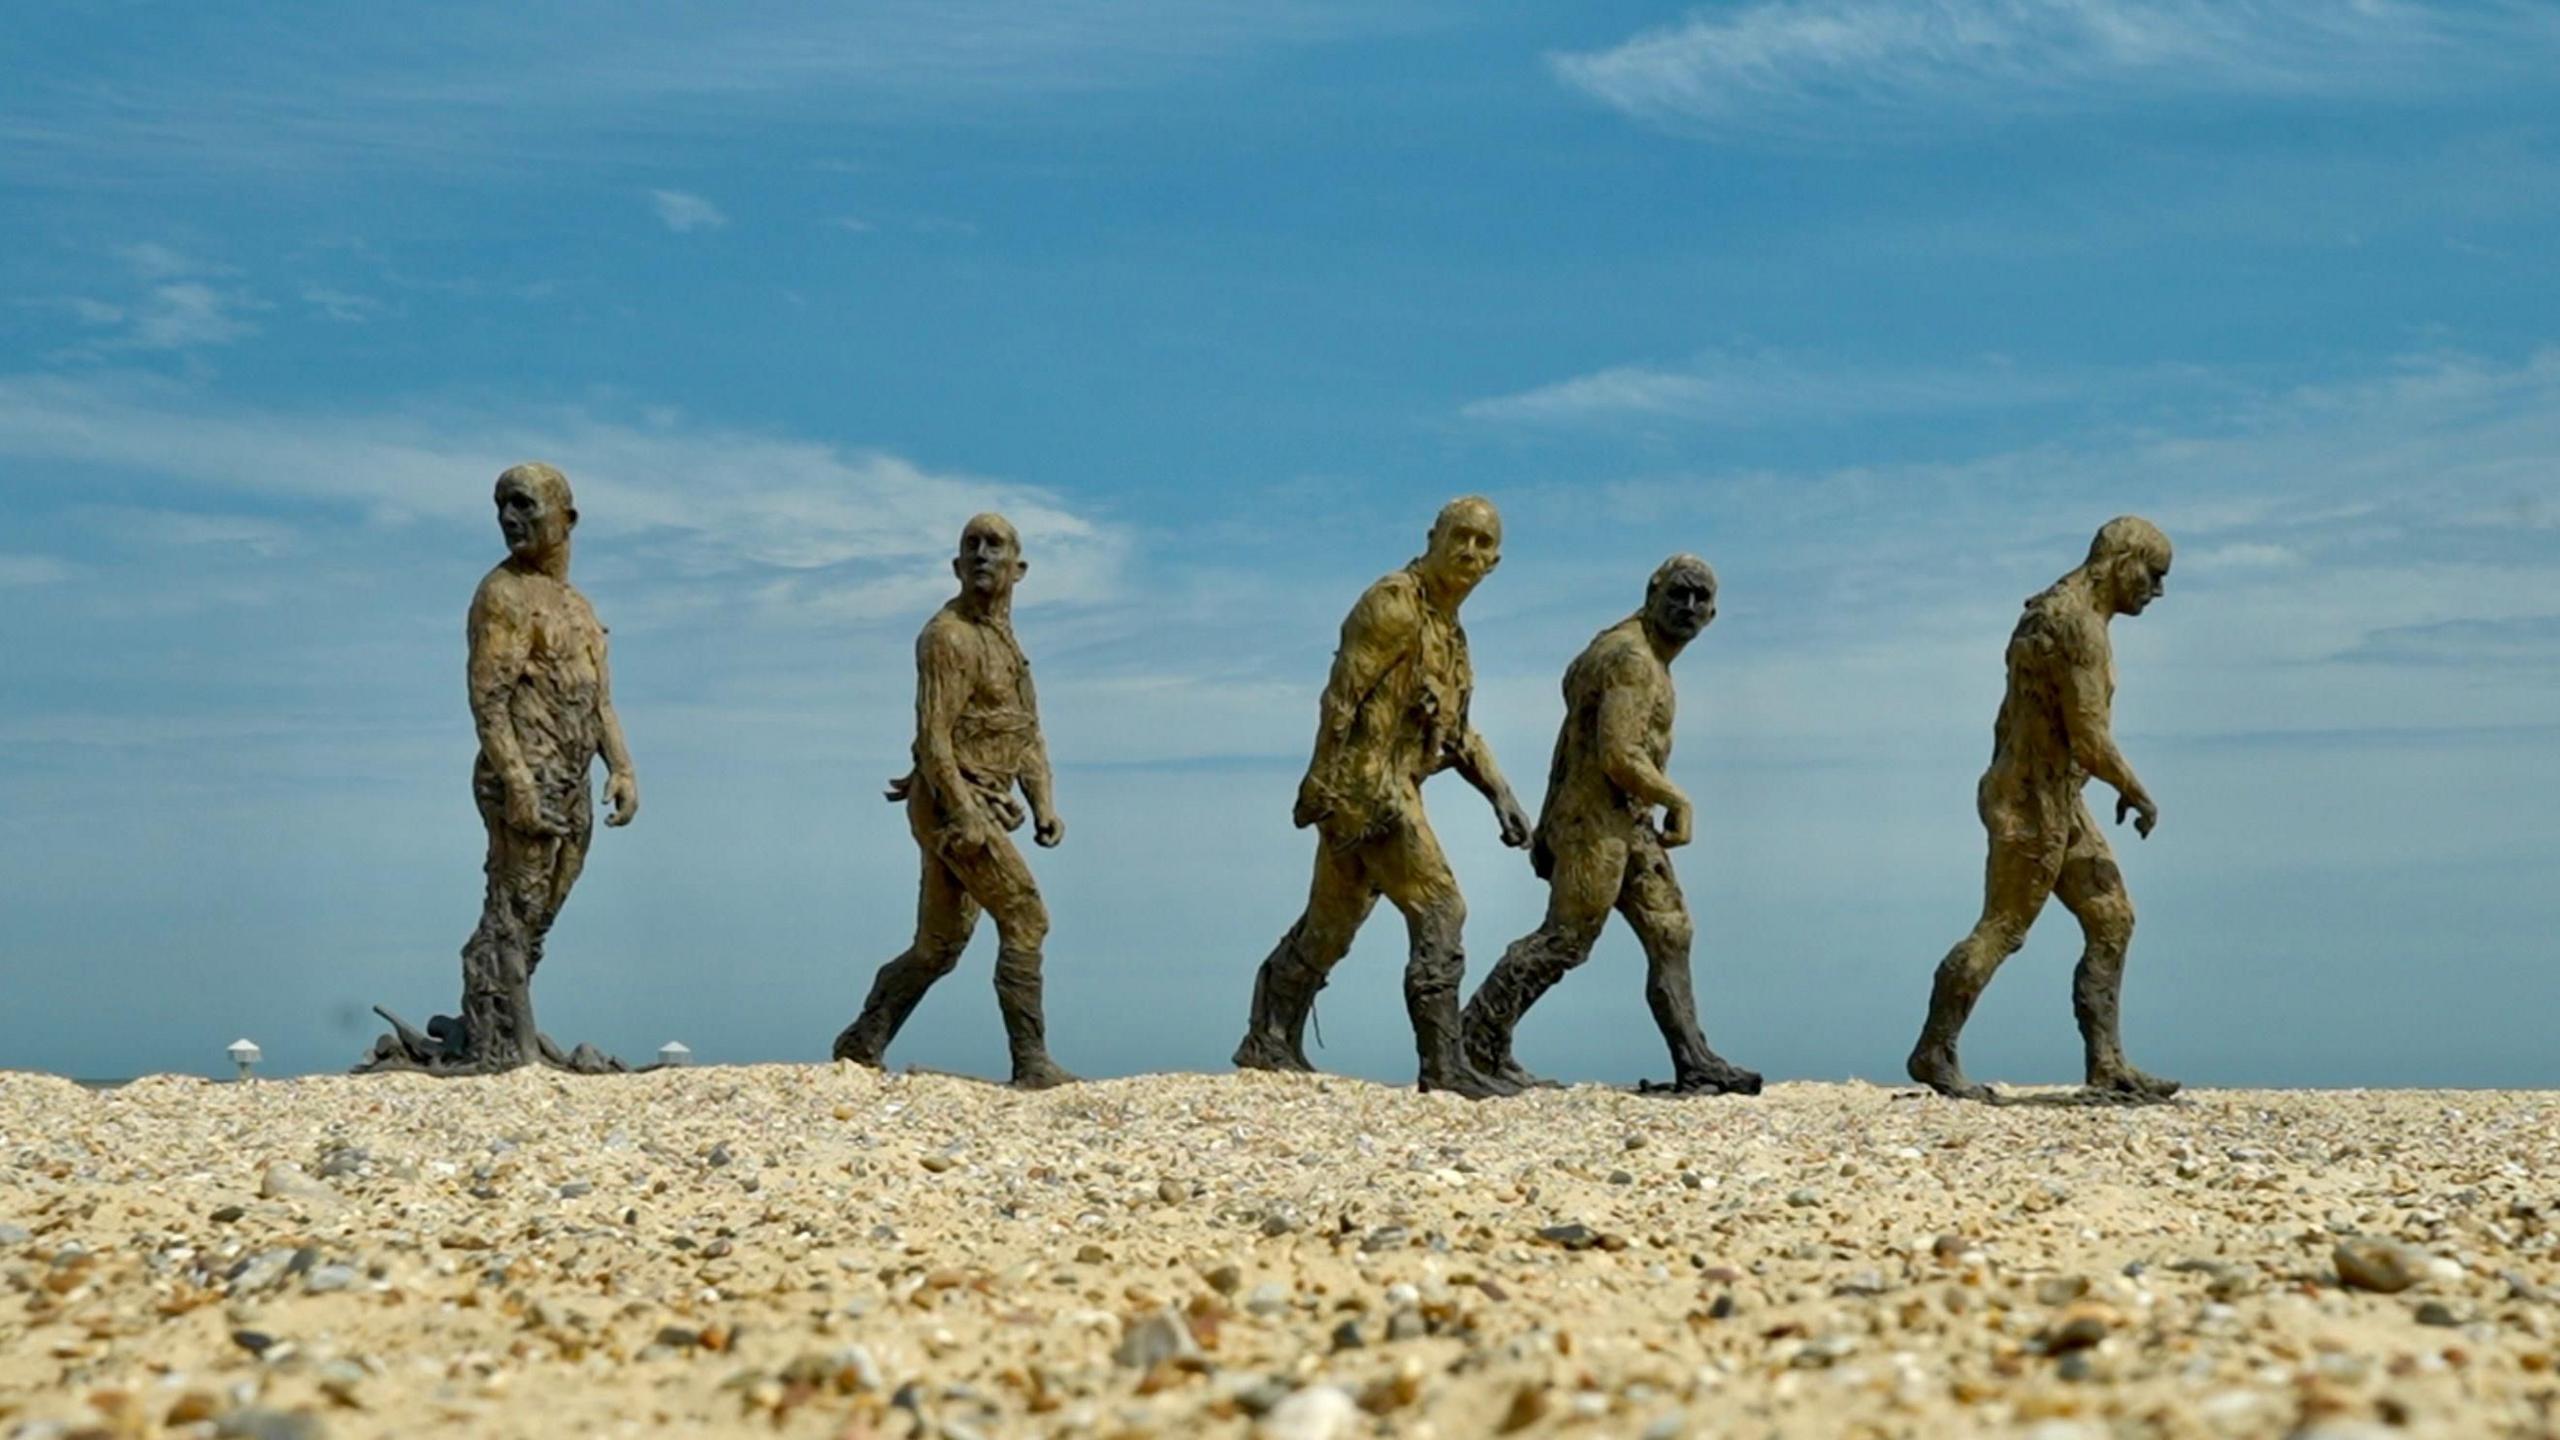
[
  {"x": 245, "y": 1054},
  {"x": 675, "y": 1052}
]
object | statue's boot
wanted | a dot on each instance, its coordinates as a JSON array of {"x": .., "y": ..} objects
[
  {"x": 1439, "y": 1038},
  {"x": 1284, "y": 995},
  {"x": 1025, "y": 1030},
  {"x": 895, "y": 993}
]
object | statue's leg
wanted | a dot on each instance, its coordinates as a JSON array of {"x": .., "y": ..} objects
[
  {"x": 2017, "y": 878},
  {"x": 945, "y": 916},
  {"x": 2093, "y": 890},
  {"x": 1339, "y": 900},
  {"x": 1659, "y": 913},
  {"x": 1588, "y": 875},
  {"x": 1410, "y": 869},
  {"x": 568, "y": 861},
  {"x": 1000, "y": 880},
  {"x": 498, "y": 1031}
]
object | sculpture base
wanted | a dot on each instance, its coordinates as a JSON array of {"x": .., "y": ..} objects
[{"x": 445, "y": 1048}]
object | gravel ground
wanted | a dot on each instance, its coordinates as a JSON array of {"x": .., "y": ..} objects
[{"x": 828, "y": 1252}]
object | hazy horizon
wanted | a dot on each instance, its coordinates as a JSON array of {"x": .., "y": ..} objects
[{"x": 1881, "y": 309}]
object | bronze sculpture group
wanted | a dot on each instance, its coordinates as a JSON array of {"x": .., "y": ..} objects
[{"x": 1395, "y": 712}]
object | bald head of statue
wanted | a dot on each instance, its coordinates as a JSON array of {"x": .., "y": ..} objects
[
  {"x": 1680, "y": 599},
  {"x": 1465, "y": 545},
  {"x": 536, "y": 512},
  {"x": 990, "y": 561},
  {"x": 2128, "y": 564}
]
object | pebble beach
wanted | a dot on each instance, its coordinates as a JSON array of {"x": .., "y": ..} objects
[{"x": 827, "y": 1251}]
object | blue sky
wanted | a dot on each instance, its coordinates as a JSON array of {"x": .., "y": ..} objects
[{"x": 1881, "y": 307}]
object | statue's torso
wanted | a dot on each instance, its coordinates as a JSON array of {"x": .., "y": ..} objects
[
  {"x": 555, "y": 703},
  {"x": 1579, "y": 789},
  {"x": 2031, "y": 740},
  {"x": 996, "y": 735},
  {"x": 1408, "y": 726}
]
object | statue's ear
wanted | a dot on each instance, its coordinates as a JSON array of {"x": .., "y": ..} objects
[
  {"x": 1021, "y": 568},
  {"x": 573, "y": 517}
]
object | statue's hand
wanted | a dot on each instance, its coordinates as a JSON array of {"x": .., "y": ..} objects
[
  {"x": 1048, "y": 830},
  {"x": 1515, "y": 821},
  {"x": 622, "y": 792},
  {"x": 971, "y": 831},
  {"x": 2145, "y": 813},
  {"x": 524, "y": 809},
  {"x": 1679, "y": 823}
]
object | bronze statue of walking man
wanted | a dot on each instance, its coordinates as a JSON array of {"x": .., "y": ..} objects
[
  {"x": 977, "y": 741},
  {"x": 2053, "y": 736},
  {"x": 542, "y": 701},
  {"x": 1394, "y": 714},
  {"x": 1598, "y": 847}
]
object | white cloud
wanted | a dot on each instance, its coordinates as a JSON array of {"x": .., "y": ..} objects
[
  {"x": 29, "y": 570},
  {"x": 341, "y": 305},
  {"x": 1720, "y": 389},
  {"x": 799, "y": 524},
  {"x": 685, "y": 213},
  {"x": 1894, "y": 68},
  {"x": 173, "y": 315}
]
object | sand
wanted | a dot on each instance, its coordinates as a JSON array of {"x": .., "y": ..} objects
[{"x": 826, "y": 1251}]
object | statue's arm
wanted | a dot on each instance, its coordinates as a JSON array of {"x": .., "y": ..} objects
[
  {"x": 1628, "y": 703},
  {"x": 2089, "y": 726},
  {"x": 1475, "y": 762},
  {"x": 943, "y": 677},
  {"x": 622, "y": 782},
  {"x": 1378, "y": 632},
  {"x": 1039, "y": 786},
  {"x": 501, "y": 646}
]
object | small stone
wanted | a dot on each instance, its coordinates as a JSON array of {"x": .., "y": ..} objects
[
  {"x": 1346, "y": 1336},
  {"x": 1406, "y": 1324},
  {"x": 18, "y": 1235},
  {"x": 1226, "y": 1279},
  {"x": 2436, "y": 1312},
  {"x": 1091, "y": 1255},
  {"x": 223, "y": 1216},
  {"x": 1172, "y": 1192},
  {"x": 1572, "y": 1236},
  {"x": 285, "y": 1181},
  {"x": 679, "y": 1337},
  {"x": 574, "y": 1189},
  {"x": 2076, "y": 1367},
  {"x": 327, "y": 1279},
  {"x": 1319, "y": 1412},
  {"x": 2061, "y": 1289},
  {"x": 1529, "y": 1405},
  {"x": 256, "y": 1342},
  {"x": 1268, "y": 1298},
  {"x": 256, "y": 1424},
  {"x": 936, "y": 1163},
  {"x": 1154, "y": 1340},
  {"x": 2385, "y": 1267},
  {"x": 720, "y": 1156},
  {"x": 1803, "y": 1199},
  {"x": 1280, "y": 1222},
  {"x": 1826, "y": 1351},
  {"x": 1385, "y": 1237}
]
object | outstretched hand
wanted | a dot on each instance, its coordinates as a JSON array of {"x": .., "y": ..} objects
[{"x": 2146, "y": 814}]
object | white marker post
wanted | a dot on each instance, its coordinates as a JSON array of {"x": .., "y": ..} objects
[
  {"x": 675, "y": 1052},
  {"x": 245, "y": 1054}
]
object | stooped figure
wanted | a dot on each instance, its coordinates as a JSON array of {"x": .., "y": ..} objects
[
  {"x": 1394, "y": 714},
  {"x": 977, "y": 741},
  {"x": 542, "y": 702},
  {"x": 1598, "y": 846},
  {"x": 2053, "y": 735}
]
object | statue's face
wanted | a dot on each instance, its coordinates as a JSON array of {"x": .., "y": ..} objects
[
  {"x": 533, "y": 520},
  {"x": 1465, "y": 545},
  {"x": 1683, "y": 605},
  {"x": 2140, "y": 579},
  {"x": 989, "y": 562}
]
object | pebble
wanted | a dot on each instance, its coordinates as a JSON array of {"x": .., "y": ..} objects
[
  {"x": 1319, "y": 1412},
  {"x": 2385, "y": 1267},
  {"x": 285, "y": 1181},
  {"x": 254, "y": 1424},
  {"x": 1154, "y": 1340},
  {"x": 326, "y": 1279},
  {"x": 1572, "y": 1236}
]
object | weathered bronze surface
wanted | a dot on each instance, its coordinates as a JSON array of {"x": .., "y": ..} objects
[
  {"x": 977, "y": 741},
  {"x": 1394, "y": 714},
  {"x": 2054, "y": 734},
  {"x": 1597, "y": 844},
  {"x": 542, "y": 700}
]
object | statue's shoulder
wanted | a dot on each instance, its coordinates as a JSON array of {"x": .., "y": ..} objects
[
  {"x": 2060, "y": 624},
  {"x": 501, "y": 594},
  {"x": 948, "y": 633},
  {"x": 1391, "y": 603}
]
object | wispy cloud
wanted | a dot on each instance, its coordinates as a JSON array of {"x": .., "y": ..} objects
[
  {"x": 341, "y": 305},
  {"x": 798, "y": 524},
  {"x": 1766, "y": 388},
  {"x": 26, "y": 570},
  {"x": 684, "y": 212},
  {"x": 180, "y": 315},
  {"x": 1895, "y": 68}
]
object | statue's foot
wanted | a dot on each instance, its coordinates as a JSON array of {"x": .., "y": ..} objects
[
  {"x": 1263, "y": 1051},
  {"x": 1495, "y": 1061},
  {"x": 1720, "y": 1078},
  {"x": 1938, "y": 1070},
  {"x": 1042, "y": 1073},
  {"x": 1470, "y": 1082},
  {"x": 854, "y": 1047},
  {"x": 2126, "y": 1083}
]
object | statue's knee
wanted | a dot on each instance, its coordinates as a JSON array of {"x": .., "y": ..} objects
[
  {"x": 939, "y": 955},
  {"x": 2109, "y": 921}
]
